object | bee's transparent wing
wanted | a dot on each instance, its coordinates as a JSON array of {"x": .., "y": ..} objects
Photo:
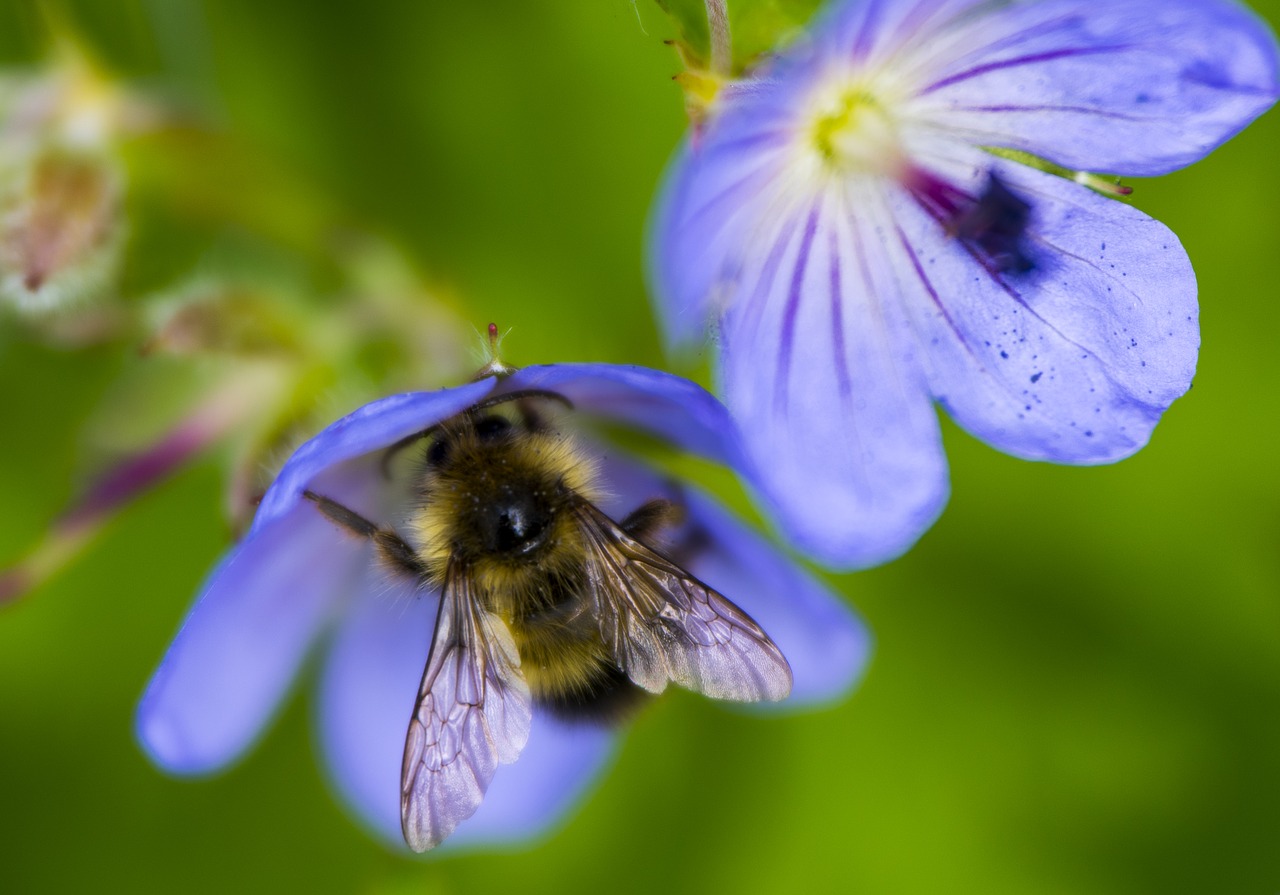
[
  {"x": 662, "y": 624},
  {"x": 473, "y": 713}
]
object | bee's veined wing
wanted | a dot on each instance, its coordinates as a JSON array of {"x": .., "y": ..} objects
[
  {"x": 473, "y": 713},
  {"x": 662, "y": 624}
]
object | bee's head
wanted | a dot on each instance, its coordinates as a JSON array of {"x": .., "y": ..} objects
[
  {"x": 486, "y": 431},
  {"x": 496, "y": 486}
]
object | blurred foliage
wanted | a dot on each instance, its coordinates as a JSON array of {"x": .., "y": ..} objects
[{"x": 1078, "y": 670}]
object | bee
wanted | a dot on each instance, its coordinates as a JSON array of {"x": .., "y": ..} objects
[{"x": 544, "y": 600}]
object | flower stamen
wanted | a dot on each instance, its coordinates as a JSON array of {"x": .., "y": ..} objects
[{"x": 857, "y": 133}]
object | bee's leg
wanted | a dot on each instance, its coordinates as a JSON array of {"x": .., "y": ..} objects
[
  {"x": 392, "y": 548},
  {"x": 646, "y": 519}
]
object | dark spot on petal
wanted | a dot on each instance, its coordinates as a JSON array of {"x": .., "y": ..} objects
[
  {"x": 1035, "y": 377},
  {"x": 995, "y": 224},
  {"x": 992, "y": 225}
]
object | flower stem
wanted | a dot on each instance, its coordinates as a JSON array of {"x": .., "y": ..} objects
[{"x": 721, "y": 41}]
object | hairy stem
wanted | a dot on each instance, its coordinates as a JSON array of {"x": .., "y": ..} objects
[{"x": 721, "y": 42}]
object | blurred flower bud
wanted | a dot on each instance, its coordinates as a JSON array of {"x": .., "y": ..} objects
[
  {"x": 60, "y": 231},
  {"x": 61, "y": 187}
]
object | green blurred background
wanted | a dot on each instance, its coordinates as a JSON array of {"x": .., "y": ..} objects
[{"x": 1076, "y": 687}]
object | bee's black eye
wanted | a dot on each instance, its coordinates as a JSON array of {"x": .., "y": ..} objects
[
  {"x": 438, "y": 453},
  {"x": 491, "y": 428}
]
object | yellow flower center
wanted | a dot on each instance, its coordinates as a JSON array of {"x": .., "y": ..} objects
[{"x": 855, "y": 131}]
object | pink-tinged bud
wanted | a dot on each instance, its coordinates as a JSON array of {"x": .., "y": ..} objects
[
  {"x": 61, "y": 223},
  {"x": 60, "y": 229},
  {"x": 72, "y": 204},
  {"x": 1107, "y": 187}
]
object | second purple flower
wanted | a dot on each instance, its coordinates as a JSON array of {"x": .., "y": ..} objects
[{"x": 894, "y": 213}]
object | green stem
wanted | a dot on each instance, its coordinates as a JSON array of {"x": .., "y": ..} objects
[{"x": 721, "y": 42}]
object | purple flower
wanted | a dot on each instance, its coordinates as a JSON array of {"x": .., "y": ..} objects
[
  {"x": 298, "y": 579},
  {"x": 890, "y": 214}
]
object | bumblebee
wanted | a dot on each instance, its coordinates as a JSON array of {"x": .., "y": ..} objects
[{"x": 544, "y": 599}]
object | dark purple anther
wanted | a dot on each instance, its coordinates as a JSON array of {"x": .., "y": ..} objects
[
  {"x": 995, "y": 224},
  {"x": 992, "y": 225}
]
